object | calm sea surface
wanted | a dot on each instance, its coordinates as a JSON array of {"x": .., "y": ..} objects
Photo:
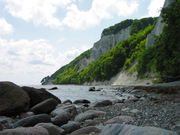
[{"x": 74, "y": 92}]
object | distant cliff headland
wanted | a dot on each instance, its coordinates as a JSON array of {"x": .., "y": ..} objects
[{"x": 137, "y": 49}]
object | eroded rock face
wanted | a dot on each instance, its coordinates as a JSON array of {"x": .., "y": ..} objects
[
  {"x": 38, "y": 95},
  {"x": 121, "y": 129},
  {"x": 13, "y": 99},
  {"x": 158, "y": 28},
  {"x": 108, "y": 42},
  {"x": 25, "y": 131}
]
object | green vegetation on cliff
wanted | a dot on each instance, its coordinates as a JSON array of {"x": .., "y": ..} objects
[
  {"x": 108, "y": 65},
  {"x": 163, "y": 58}
]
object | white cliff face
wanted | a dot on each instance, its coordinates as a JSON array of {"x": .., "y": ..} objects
[
  {"x": 107, "y": 42},
  {"x": 159, "y": 26}
]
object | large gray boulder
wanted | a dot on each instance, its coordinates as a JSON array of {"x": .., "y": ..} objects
[
  {"x": 120, "y": 129},
  {"x": 45, "y": 106},
  {"x": 61, "y": 118},
  {"x": 25, "y": 131},
  {"x": 13, "y": 99},
  {"x": 38, "y": 95},
  {"x": 32, "y": 120},
  {"x": 69, "y": 108}
]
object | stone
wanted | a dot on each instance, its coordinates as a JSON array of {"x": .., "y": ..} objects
[
  {"x": 82, "y": 101},
  {"x": 5, "y": 122},
  {"x": 52, "y": 129},
  {"x": 120, "y": 119},
  {"x": 32, "y": 120},
  {"x": 134, "y": 111},
  {"x": 45, "y": 106},
  {"x": 61, "y": 119},
  {"x": 90, "y": 123},
  {"x": 92, "y": 89},
  {"x": 121, "y": 129},
  {"x": 26, "y": 114},
  {"x": 102, "y": 103},
  {"x": 13, "y": 99},
  {"x": 86, "y": 131},
  {"x": 53, "y": 88},
  {"x": 117, "y": 101},
  {"x": 67, "y": 102},
  {"x": 38, "y": 95},
  {"x": 25, "y": 131},
  {"x": 70, "y": 127},
  {"x": 71, "y": 109},
  {"x": 90, "y": 114}
]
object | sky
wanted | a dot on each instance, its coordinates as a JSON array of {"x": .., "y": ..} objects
[{"x": 37, "y": 37}]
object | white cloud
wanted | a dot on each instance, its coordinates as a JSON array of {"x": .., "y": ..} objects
[
  {"x": 155, "y": 7},
  {"x": 26, "y": 61},
  {"x": 38, "y": 11},
  {"x": 5, "y": 27},
  {"x": 43, "y": 12},
  {"x": 100, "y": 9}
]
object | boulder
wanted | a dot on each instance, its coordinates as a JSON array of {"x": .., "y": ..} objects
[
  {"x": 53, "y": 88},
  {"x": 13, "y": 99},
  {"x": 92, "y": 89},
  {"x": 25, "y": 131},
  {"x": 61, "y": 118},
  {"x": 67, "y": 102},
  {"x": 5, "y": 122},
  {"x": 71, "y": 109},
  {"x": 52, "y": 129},
  {"x": 32, "y": 120},
  {"x": 45, "y": 106},
  {"x": 93, "y": 122},
  {"x": 102, "y": 103},
  {"x": 70, "y": 127},
  {"x": 38, "y": 95},
  {"x": 86, "y": 131},
  {"x": 90, "y": 114},
  {"x": 26, "y": 114},
  {"x": 81, "y": 101},
  {"x": 121, "y": 129},
  {"x": 120, "y": 120}
]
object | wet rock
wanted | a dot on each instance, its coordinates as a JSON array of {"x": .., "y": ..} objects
[
  {"x": 81, "y": 101},
  {"x": 92, "y": 89},
  {"x": 61, "y": 119},
  {"x": 134, "y": 111},
  {"x": 26, "y": 114},
  {"x": 70, "y": 127},
  {"x": 131, "y": 99},
  {"x": 13, "y": 99},
  {"x": 120, "y": 119},
  {"x": 67, "y": 102},
  {"x": 25, "y": 131},
  {"x": 38, "y": 95},
  {"x": 71, "y": 109},
  {"x": 117, "y": 101},
  {"x": 52, "y": 129},
  {"x": 90, "y": 114},
  {"x": 90, "y": 123},
  {"x": 121, "y": 129},
  {"x": 5, "y": 122},
  {"x": 45, "y": 106},
  {"x": 32, "y": 120},
  {"x": 102, "y": 103},
  {"x": 86, "y": 131},
  {"x": 53, "y": 88}
]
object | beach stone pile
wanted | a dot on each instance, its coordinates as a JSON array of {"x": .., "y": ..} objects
[{"x": 31, "y": 111}]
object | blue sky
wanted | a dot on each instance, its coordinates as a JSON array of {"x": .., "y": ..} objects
[{"x": 37, "y": 37}]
